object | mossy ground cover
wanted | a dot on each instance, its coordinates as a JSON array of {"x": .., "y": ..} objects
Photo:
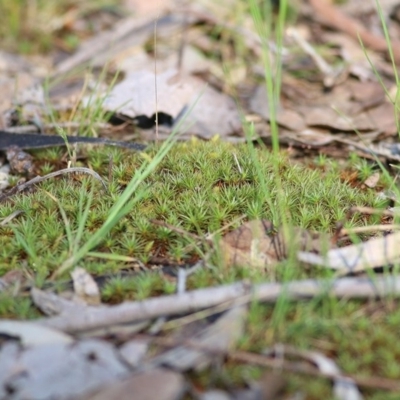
[
  {"x": 198, "y": 187},
  {"x": 202, "y": 187}
]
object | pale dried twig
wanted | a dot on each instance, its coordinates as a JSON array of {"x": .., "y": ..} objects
[
  {"x": 372, "y": 211},
  {"x": 276, "y": 363},
  {"x": 371, "y": 228},
  {"x": 97, "y": 317},
  {"x": 10, "y": 217}
]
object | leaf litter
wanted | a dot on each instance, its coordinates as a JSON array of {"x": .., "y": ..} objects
[{"x": 345, "y": 105}]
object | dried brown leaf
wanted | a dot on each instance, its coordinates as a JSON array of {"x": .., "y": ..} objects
[
  {"x": 384, "y": 119},
  {"x": 255, "y": 244},
  {"x": 209, "y": 112},
  {"x": 327, "y": 117},
  {"x": 251, "y": 245}
]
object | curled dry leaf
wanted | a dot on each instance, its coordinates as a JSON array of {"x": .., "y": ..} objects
[
  {"x": 209, "y": 112},
  {"x": 135, "y": 96}
]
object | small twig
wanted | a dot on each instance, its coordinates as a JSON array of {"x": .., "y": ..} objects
[
  {"x": 23, "y": 186},
  {"x": 276, "y": 363},
  {"x": 182, "y": 232},
  {"x": 226, "y": 226},
  {"x": 372, "y": 211},
  {"x": 321, "y": 64},
  {"x": 10, "y": 217},
  {"x": 372, "y": 228},
  {"x": 237, "y": 163},
  {"x": 176, "y": 229},
  {"x": 199, "y": 315}
]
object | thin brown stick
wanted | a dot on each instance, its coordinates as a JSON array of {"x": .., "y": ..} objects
[{"x": 175, "y": 229}]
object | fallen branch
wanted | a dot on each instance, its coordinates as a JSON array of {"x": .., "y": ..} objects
[{"x": 98, "y": 317}]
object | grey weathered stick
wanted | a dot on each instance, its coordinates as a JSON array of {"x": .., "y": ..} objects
[{"x": 97, "y": 317}]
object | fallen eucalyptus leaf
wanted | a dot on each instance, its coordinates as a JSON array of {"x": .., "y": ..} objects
[{"x": 31, "y": 334}]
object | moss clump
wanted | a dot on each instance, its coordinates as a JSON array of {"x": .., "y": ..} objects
[{"x": 198, "y": 187}]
